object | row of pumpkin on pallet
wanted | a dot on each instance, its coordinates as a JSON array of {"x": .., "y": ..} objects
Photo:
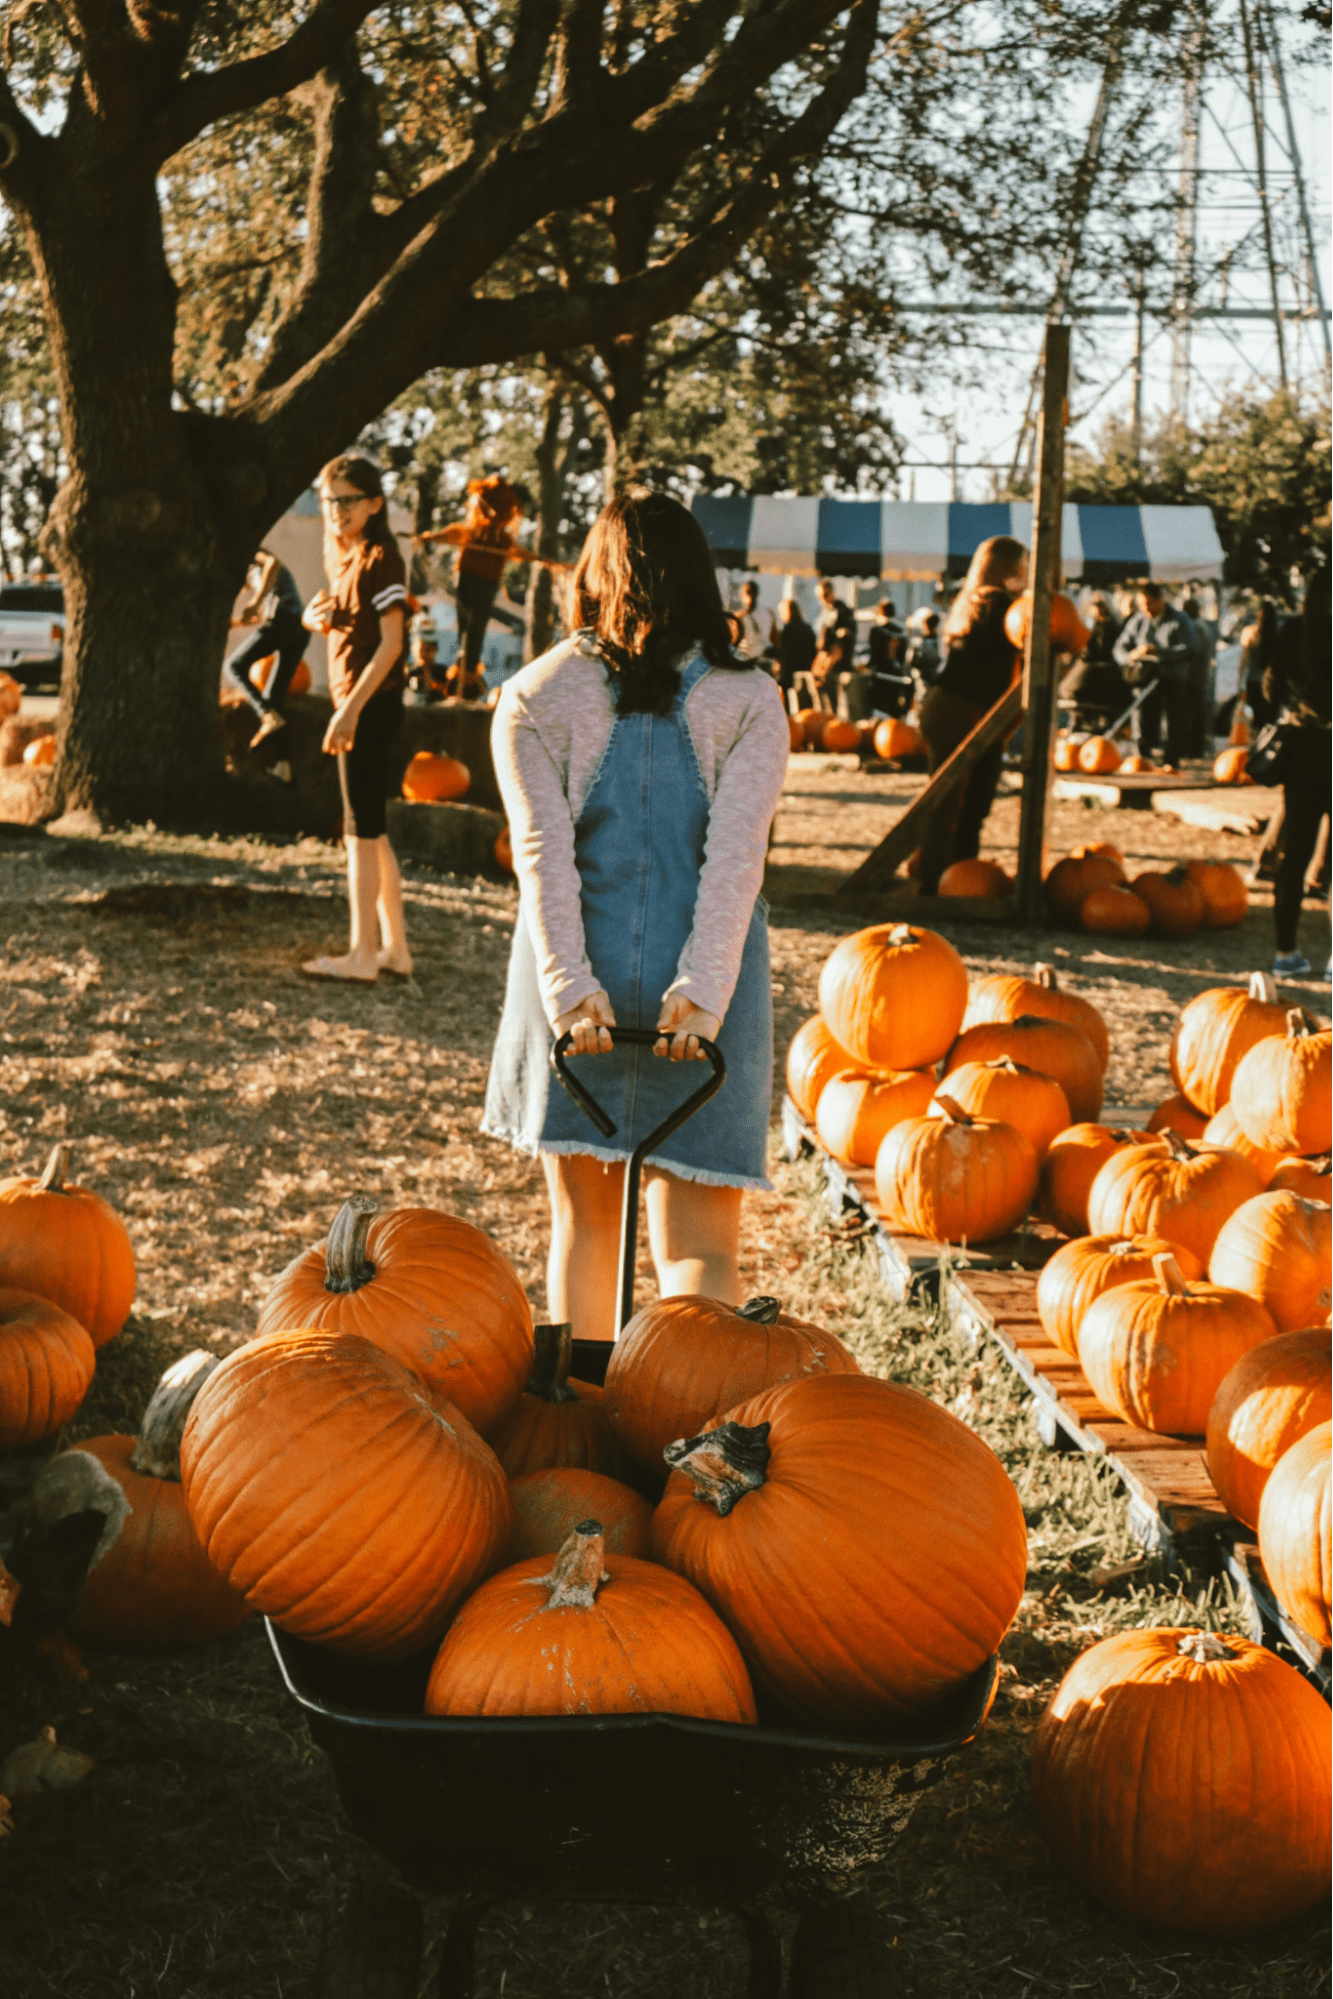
[
  {"x": 1090, "y": 889},
  {"x": 396, "y": 1459}
]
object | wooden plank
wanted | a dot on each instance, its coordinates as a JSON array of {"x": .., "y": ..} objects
[{"x": 1039, "y": 660}]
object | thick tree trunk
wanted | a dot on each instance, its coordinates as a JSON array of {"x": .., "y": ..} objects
[{"x": 540, "y": 607}]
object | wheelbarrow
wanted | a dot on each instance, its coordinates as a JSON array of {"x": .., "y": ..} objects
[{"x": 616, "y": 1808}]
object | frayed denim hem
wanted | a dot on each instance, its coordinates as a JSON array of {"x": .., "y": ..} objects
[{"x": 565, "y": 1146}]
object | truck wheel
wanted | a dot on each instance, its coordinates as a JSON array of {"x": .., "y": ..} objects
[
  {"x": 840, "y": 1953},
  {"x": 371, "y": 1946}
]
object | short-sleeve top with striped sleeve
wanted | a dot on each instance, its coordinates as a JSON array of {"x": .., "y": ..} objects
[{"x": 373, "y": 582}]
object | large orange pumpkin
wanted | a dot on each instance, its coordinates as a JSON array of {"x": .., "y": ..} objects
[
  {"x": 1229, "y": 767},
  {"x": 1272, "y": 1397},
  {"x": 839, "y": 736},
  {"x": 1003, "y": 998},
  {"x": 1007, "y": 1093},
  {"x": 336, "y": 1496},
  {"x": 1282, "y": 1091},
  {"x": 592, "y": 1634},
  {"x": 1296, "y": 1532},
  {"x": 1053, "y": 1048},
  {"x": 1225, "y": 897},
  {"x": 548, "y": 1506},
  {"x": 1154, "y": 1777},
  {"x": 69, "y": 1245},
  {"x": 1064, "y": 752},
  {"x": 430, "y": 779},
  {"x": 954, "y": 1178},
  {"x": 984, "y": 878},
  {"x": 1114, "y": 911},
  {"x": 779, "y": 1517},
  {"x": 1080, "y": 1271},
  {"x": 47, "y": 1363},
  {"x": 1174, "y": 902},
  {"x": 858, "y": 1108},
  {"x": 893, "y": 996},
  {"x": 1179, "y": 1115},
  {"x": 1223, "y": 1130},
  {"x": 154, "y": 1588},
  {"x": 1170, "y": 1188},
  {"x": 1068, "y": 631},
  {"x": 1310, "y": 1178},
  {"x": 1158, "y": 1352},
  {"x": 1098, "y": 756},
  {"x": 683, "y": 1361},
  {"x": 556, "y": 1421},
  {"x": 1214, "y": 1031},
  {"x": 813, "y": 1057},
  {"x": 1276, "y": 1247},
  {"x": 895, "y": 739},
  {"x": 1070, "y": 883},
  {"x": 1073, "y": 1162},
  {"x": 430, "y": 1289}
]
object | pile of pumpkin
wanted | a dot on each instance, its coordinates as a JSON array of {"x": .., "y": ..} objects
[
  {"x": 889, "y": 739},
  {"x": 1091, "y": 890}
]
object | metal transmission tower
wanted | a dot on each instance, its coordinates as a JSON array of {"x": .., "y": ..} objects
[{"x": 1187, "y": 223}]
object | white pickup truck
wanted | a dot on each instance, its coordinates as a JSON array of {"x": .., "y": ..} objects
[{"x": 32, "y": 630}]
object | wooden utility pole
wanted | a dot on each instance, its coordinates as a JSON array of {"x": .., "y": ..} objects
[{"x": 1039, "y": 658}]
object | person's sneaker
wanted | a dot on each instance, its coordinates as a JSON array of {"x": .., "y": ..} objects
[
  {"x": 1291, "y": 965},
  {"x": 270, "y": 725}
]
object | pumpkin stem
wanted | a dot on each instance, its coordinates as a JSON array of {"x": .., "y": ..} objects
[
  {"x": 952, "y": 1109},
  {"x": 1263, "y": 987},
  {"x": 1201, "y": 1646},
  {"x": 552, "y": 1353},
  {"x": 901, "y": 933},
  {"x": 762, "y": 1311},
  {"x": 1170, "y": 1277},
  {"x": 1299, "y": 1023},
  {"x": 578, "y": 1571},
  {"x": 1175, "y": 1144},
  {"x": 57, "y": 1166},
  {"x": 1044, "y": 975},
  {"x": 724, "y": 1464},
  {"x": 157, "y": 1451},
  {"x": 346, "y": 1265}
]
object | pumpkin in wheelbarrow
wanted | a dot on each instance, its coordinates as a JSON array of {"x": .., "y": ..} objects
[
  {"x": 866, "y": 1549},
  {"x": 556, "y": 1421},
  {"x": 548, "y": 1506}
]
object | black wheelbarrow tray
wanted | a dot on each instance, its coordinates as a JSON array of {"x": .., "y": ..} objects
[{"x": 649, "y": 1808}]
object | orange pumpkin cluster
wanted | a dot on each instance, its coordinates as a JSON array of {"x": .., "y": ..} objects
[{"x": 1090, "y": 890}]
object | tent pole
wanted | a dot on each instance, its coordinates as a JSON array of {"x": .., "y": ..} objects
[{"x": 1039, "y": 660}]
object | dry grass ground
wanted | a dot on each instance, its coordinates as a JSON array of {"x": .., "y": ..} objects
[{"x": 151, "y": 1015}]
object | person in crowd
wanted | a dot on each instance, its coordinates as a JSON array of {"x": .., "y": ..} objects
[
  {"x": 362, "y": 614},
  {"x": 837, "y": 624},
  {"x": 755, "y": 637},
  {"x": 1156, "y": 645},
  {"x": 1258, "y": 644},
  {"x": 1094, "y": 685},
  {"x": 1201, "y": 678},
  {"x": 486, "y": 541},
  {"x": 1296, "y": 687},
  {"x": 273, "y": 612},
  {"x": 980, "y": 664},
  {"x": 890, "y": 687},
  {"x": 423, "y": 658},
  {"x": 923, "y": 652},
  {"x": 640, "y": 763},
  {"x": 797, "y": 647}
]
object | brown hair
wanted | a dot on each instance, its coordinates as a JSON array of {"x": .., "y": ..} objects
[
  {"x": 993, "y": 562},
  {"x": 364, "y": 474},
  {"x": 646, "y": 589}
]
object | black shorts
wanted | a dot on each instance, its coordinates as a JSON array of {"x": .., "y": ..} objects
[{"x": 363, "y": 772}]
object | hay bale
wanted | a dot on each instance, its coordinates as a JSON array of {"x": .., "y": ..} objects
[{"x": 454, "y": 837}]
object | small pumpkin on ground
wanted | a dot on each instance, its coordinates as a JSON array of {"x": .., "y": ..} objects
[
  {"x": 1222, "y": 1129},
  {"x": 1064, "y": 752},
  {"x": 593, "y": 1634},
  {"x": 1170, "y": 1188},
  {"x": 778, "y": 1515},
  {"x": 1282, "y": 1091},
  {"x": 1296, "y": 1531},
  {"x": 1312, "y": 1179},
  {"x": 153, "y": 1588},
  {"x": 336, "y": 1496},
  {"x": 1157, "y": 1353},
  {"x": 1114, "y": 911},
  {"x": 1136, "y": 765},
  {"x": 504, "y": 851},
  {"x": 431, "y": 1290},
  {"x": 1175, "y": 903},
  {"x": 954, "y": 1178},
  {"x": 1001, "y": 998},
  {"x": 858, "y": 1108},
  {"x": 69, "y": 1245},
  {"x": 1070, "y": 882},
  {"x": 1099, "y": 756},
  {"x": 1179, "y": 1115},
  {"x": 556, "y": 1421},
  {"x": 548, "y": 1506},
  {"x": 1075, "y": 1158},
  {"x": 894, "y": 738},
  {"x": 977, "y": 877},
  {"x": 1053, "y": 1048},
  {"x": 1007, "y": 1093},
  {"x": 1080, "y": 1271},
  {"x": 1135, "y": 1781},
  {"x": 1276, "y": 1247},
  {"x": 681, "y": 1362},
  {"x": 47, "y": 1362},
  {"x": 1229, "y": 766},
  {"x": 1226, "y": 899},
  {"x": 1272, "y": 1398},
  {"x": 430, "y": 779},
  {"x": 1214, "y": 1031},
  {"x": 814, "y": 1056},
  {"x": 893, "y": 996},
  {"x": 839, "y": 736}
]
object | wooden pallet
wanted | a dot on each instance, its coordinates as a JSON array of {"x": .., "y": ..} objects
[{"x": 1269, "y": 1623}]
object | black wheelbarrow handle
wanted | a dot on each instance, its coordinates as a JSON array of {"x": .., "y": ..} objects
[{"x": 636, "y": 1037}]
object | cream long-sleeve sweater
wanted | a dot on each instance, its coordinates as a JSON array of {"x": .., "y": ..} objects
[{"x": 551, "y": 730}]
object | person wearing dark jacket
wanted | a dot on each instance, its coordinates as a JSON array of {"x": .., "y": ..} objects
[
  {"x": 1095, "y": 682},
  {"x": 1296, "y": 685},
  {"x": 979, "y": 666},
  {"x": 796, "y": 645},
  {"x": 1157, "y": 644}
]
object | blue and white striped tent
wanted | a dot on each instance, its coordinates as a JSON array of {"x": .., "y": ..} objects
[{"x": 903, "y": 539}]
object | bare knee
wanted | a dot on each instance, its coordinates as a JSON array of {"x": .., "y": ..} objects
[{"x": 583, "y": 1190}]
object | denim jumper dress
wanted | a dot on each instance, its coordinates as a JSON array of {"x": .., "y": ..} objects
[{"x": 639, "y": 848}]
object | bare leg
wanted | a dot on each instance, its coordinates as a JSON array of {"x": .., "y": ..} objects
[
  {"x": 393, "y": 954},
  {"x": 694, "y": 1231},
  {"x": 363, "y": 888},
  {"x": 583, "y": 1264}
]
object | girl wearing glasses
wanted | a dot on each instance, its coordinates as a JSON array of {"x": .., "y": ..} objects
[{"x": 362, "y": 615}]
